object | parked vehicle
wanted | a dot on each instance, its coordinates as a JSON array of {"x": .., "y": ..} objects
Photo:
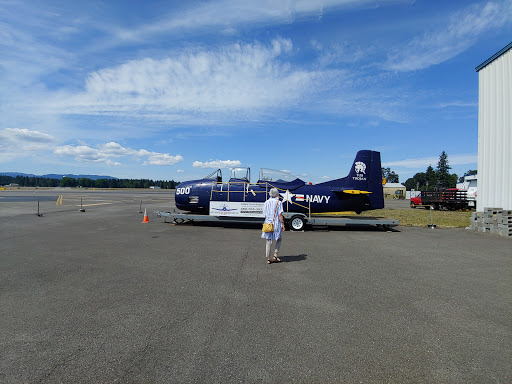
[
  {"x": 450, "y": 199},
  {"x": 416, "y": 201},
  {"x": 469, "y": 184}
]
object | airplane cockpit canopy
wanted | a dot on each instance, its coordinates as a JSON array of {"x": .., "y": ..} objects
[
  {"x": 240, "y": 174},
  {"x": 216, "y": 175},
  {"x": 280, "y": 179},
  {"x": 267, "y": 174}
]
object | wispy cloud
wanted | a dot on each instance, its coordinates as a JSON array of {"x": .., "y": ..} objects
[
  {"x": 217, "y": 164},
  {"x": 460, "y": 104},
  {"x": 247, "y": 81},
  {"x": 456, "y": 36},
  {"x": 234, "y": 82},
  {"x": 24, "y": 137},
  {"x": 109, "y": 151},
  {"x": 337, "y": 53},
  {"x": 19, "y": 142},
  {"x": 426, "y": 161},
  {"x": 228, "y": 15}
]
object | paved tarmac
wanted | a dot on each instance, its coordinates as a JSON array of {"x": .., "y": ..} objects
[{"x": 97, "y": 296}]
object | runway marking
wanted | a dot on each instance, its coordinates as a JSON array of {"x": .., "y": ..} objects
[{"x": 90, "y": 205}]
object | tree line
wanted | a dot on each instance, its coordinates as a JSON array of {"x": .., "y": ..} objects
[
  {"x": 434, "y": 179},
  {"x": 431, "y": 179},
  {"x": 25, "y": 181}
]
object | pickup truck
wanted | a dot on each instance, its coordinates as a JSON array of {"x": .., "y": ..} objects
[{"x": 416, "y": 202}]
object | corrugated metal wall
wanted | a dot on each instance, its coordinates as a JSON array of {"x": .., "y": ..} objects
[{"x": 495, "y": 134}]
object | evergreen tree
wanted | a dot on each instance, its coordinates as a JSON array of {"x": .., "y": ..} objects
[
  {"x": 430, "y": 179},
  {"x": 443, "y": 171}
]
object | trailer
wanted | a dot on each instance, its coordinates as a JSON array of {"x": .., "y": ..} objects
[
  {"x": 294, "y": 220},
  {"x": 451, "y": 199}
]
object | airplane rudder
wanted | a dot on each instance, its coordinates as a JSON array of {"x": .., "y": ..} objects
[{"x": 375, "y": 182}]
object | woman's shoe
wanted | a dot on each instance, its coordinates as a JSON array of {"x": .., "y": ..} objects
[
  {"x": 276, "y": 259},
  {"x": 269, "y": 261}
]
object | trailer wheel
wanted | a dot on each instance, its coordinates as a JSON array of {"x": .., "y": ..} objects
[{"x": 297, "y": 223}]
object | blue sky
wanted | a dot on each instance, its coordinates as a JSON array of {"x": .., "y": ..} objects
[{"x": 174, "y": 89}]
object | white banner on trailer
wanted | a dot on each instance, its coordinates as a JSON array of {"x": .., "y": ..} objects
[{"x": 236, "y": 209}]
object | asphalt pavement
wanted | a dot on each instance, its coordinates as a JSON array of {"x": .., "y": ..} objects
[{"x": 98, "y": 296}]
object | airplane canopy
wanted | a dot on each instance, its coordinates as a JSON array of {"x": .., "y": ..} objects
[
  {"x": 215, "y": 175},
  {"x": 240, "y": 174},
  {"x": 279, "y": 179}
]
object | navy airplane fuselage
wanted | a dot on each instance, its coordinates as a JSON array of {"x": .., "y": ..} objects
[{"x": 360, "y": 191}]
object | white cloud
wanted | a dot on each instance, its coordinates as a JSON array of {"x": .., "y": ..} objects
[
  {"x": 337, "y": 53},
  {"x": 217, "y": 164},
  {"x": 459, "y": 104},
  {"x": 162, "y": 159},
  {"x": 458, "y": 35},
  {"x": 107, "y": 152},
  {"x": 229, "y": 14},
  {"x": 24, "y": 137},
  {"x": 84, "y": 153},
  {"x": 231, "y": 82},
  {"x": 20, "y": 142},
  {"x": 196, "y": 86}
]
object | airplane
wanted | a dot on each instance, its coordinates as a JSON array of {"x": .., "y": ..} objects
[{"x": 359, "y": 191}]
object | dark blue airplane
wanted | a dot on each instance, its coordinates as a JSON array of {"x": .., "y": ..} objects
[{"x": 360, "y": 191}]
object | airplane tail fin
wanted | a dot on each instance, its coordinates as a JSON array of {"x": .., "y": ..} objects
[{"x": 364, "y": 176}]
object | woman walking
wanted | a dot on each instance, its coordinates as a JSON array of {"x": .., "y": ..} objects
[{"x": 273, "y": 211}]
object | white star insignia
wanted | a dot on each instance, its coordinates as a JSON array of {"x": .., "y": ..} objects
[{"x": 287, "y": 196}]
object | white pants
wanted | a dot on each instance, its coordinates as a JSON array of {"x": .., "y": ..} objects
[{"x": 269, "y": 247}]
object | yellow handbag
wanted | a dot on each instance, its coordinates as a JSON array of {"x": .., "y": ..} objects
[{"x": 269, "y": 227}]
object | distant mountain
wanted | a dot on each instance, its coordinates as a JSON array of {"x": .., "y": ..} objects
[
  {"x": 14, "y": 174},
  {"x": 56, "y": 176}
]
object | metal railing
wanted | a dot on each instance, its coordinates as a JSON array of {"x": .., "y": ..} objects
[{"x": 247, "y": 189}]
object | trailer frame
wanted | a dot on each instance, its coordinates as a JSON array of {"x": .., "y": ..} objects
[{"x": 296, "y": 221}]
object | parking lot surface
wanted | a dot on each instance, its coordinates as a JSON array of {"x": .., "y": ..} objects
[{"x": 98, "y": 296}]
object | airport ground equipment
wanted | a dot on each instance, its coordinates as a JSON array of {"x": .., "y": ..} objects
[{"x": 294, "y": 220}]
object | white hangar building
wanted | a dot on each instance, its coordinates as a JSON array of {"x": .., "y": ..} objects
[{"x": 495, "y": 131}]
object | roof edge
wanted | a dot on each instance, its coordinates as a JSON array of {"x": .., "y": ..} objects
[{"x": 493, "y": 57}]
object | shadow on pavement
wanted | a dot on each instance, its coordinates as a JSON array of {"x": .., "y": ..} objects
[{"x": 288, "y": 259}]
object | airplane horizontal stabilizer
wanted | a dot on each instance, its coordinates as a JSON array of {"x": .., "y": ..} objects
[
  {"x": 350, "y": 191},
  {"x": 356, "y": 192}
]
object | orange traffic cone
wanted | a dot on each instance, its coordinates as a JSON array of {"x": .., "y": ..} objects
[{"x": 146, "y": 218}]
